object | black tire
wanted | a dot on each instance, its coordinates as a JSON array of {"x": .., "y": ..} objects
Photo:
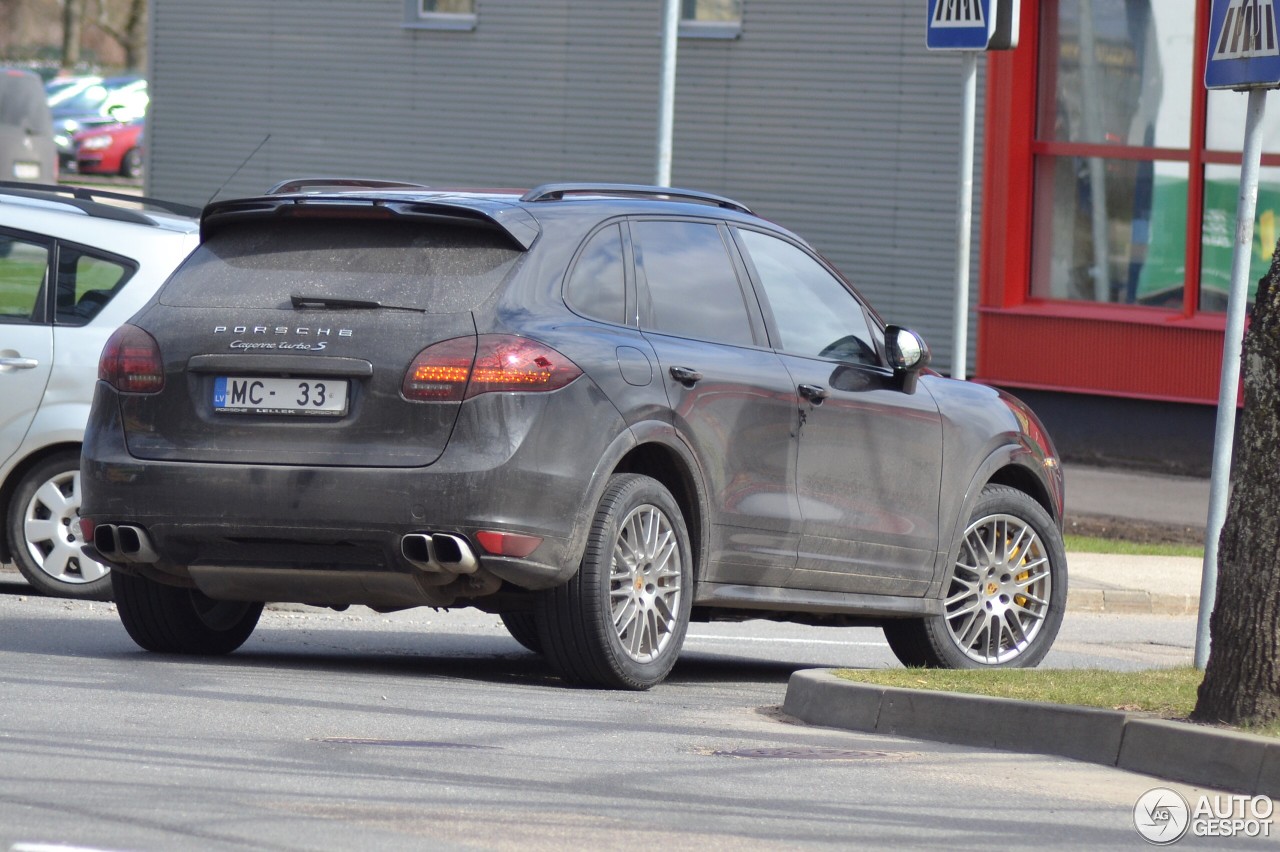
[
  {"x": 44, "y": 532},
  {"x": 576, "y": 622},
  {"x": 1005, "y": 594},
  {"x": 172, "y": 620},
  {"x": 523, "y": 627},
  {"x": 131, "y": 164}
]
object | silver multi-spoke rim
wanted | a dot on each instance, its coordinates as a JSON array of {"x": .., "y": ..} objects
[
  {"x": 644, "y": 583},
  {"x": 1000, "y": 589},
  {"x": 51, "y": 526}
]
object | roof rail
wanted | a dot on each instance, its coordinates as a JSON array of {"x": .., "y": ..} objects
[
  {"x": 557, "y": 192},
  {"x": 296, "y": 185},
  {"x": 91, "y": 200}
]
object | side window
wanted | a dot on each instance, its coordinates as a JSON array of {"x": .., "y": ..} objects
[
  {"x": 24, "y": 268},
  {"x": 815, "y": 313},
  {"x": 598, "y": 284},
  {"x": 86, "y": 282},
  {"x": 693, "y": 288}
]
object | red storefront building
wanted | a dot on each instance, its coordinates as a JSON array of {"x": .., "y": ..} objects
[{"x": 1110, "y": 188}]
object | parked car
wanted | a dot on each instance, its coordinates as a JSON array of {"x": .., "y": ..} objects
[
  {"x": 27, "y": 151},
  {"x": 60, "y": 89},
  {"x": 115, "y": 149},
  {"x": 114, "y": 100},
  {"x": 600, "y": 411},
  {"x": 74, "y": 265}
]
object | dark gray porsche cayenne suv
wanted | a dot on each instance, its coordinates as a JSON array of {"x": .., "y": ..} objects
[{"x": 599, "y": 411}]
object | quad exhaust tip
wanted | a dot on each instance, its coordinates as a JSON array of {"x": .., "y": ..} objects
[
  {"x": 124, "y": 543},
  {"x": 439, "y": 552}
]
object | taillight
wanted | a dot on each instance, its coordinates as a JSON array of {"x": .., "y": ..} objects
[
  {"x": 131, "y": 362},
  {"x": 458, "y": 369}
]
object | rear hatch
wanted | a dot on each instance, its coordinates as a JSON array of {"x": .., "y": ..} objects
[{"x": 286, "y": 340}]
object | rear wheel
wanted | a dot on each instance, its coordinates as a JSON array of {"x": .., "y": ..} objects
[
  {"x": 620, "y": 622},
  {"x": 172, "y": 620},
  {"x": 523, "y": 627},
  {"x": 44, "y": 532},
  {"x": 1005, "y": 596}
]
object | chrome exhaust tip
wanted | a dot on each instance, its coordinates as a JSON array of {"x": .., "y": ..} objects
[
  {"x": 124, "y": 543},
  {"x": 439, "y": 552},
  {"x": 135, "y": 544}
]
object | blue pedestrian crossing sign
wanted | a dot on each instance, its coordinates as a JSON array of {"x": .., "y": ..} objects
[
  {"x": 972, "y": 25},
  {"x": 1244, "y": 45}
]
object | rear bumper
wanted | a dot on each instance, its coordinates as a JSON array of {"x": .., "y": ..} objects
[{"x": 333, "y": 535}]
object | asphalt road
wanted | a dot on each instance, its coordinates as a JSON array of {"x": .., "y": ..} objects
[{"x": 422, "y": 729}]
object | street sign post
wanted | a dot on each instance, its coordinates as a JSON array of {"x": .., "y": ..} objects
[
  {"x": 1243, "y": 54},
  {"x": 971, "y": 26}
]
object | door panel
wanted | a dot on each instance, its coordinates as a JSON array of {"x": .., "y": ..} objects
[
  {"x": 740, "y": 418},
  {"x": 868, "y": 480},
  {"x": 731, "y": 399},
  {"x": 26, "y": 338},
  {"x": 869, "y": 456}
]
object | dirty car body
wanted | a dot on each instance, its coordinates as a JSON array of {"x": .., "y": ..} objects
[{"x": 599, "y": 411}]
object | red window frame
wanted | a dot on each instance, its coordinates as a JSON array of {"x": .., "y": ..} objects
[{"x": 1086, "y": 347}]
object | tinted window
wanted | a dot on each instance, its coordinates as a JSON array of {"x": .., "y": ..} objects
[
  {"x": 693, "y": 288},
  {"x": 257, "y": 264},
  {"x": 22, "y": 274},
  {"x": 815, "y": 313},
  {"x": 86, "y": 282},
  {"x": 598, "y": 285}
]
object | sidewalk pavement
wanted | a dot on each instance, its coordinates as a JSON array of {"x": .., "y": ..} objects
[
  {"x": 1167, "y": 585},
  {"x": 1181, "y": 751}
]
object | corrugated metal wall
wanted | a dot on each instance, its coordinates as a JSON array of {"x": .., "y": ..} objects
[{"x": 828, "y": 116}]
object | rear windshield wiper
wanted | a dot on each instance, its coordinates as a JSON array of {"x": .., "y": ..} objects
[{"x": 300, "y": 301}]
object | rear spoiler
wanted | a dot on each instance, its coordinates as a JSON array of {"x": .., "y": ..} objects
[{"x": 446, "y": 208}]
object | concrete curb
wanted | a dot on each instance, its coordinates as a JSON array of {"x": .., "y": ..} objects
[
  {"x": 1129, "y": 601},
  {"x": 1180, "y": 751}
]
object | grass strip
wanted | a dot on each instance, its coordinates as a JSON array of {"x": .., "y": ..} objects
[
  {"x": 1166, "y": 693},
  {"x": 1092, "y": 544}
]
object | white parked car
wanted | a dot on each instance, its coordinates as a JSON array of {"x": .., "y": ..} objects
[{"x": 74, "y": 265}]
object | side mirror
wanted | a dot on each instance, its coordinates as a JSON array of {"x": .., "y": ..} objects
[{"x": 908, "y": 355}]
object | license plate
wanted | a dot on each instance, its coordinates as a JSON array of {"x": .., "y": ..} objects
[
  {"x": 26, "y": 171},
  {"x": 257, "y": 395}
]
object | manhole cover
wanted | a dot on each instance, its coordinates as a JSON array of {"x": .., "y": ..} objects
[
  {"x": 807, "y": 754},
  {"x": 366, "y": 741}
]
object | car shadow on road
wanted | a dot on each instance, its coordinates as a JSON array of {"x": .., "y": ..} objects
[{"x": 484, "y": 659}]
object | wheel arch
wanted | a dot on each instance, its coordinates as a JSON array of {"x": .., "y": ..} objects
[
  {"x": 1012, "y": 465},
  {"x": 654, "y": 449},
  {"x": 675, "y": 470},
  {"x": 16, "y": 474}
]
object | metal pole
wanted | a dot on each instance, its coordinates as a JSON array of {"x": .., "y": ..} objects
[
  {"x": 667, "y": 94},
  {"x": 964, "y": 218},
  {"x": 1232, "y": 344},
  {"x": 1091, "y": 107}
]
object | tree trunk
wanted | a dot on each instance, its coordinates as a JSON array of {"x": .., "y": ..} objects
[
  {"x": 72, "y": 18},
  {"x": 135, "y": 36},
  {"x": 1242, "y": 679}
]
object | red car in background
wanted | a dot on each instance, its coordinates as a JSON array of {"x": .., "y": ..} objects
[{"x": 114, "y": 149}]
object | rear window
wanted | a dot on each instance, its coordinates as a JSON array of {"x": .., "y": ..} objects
[{"x": 430, "y": 267}]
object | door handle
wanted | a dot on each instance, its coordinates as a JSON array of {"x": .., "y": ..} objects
[
  {"x": 19, "y": 363},
  {"x": 685, "y": 376},
  {"x": 814, "y": 393}
]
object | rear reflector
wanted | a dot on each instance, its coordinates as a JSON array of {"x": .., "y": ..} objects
[
  {"x": 458, "y": 369},
  {"x": 507, "y": 544},
  {"x": 131, "y": 361}
]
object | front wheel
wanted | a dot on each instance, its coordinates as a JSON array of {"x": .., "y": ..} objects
[
  {"x": 172, "y": 620},
  {"x": 1005, "y": 596},
  {"x": 44, "y": 532},
  {"x": 620, "y": 622}
]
